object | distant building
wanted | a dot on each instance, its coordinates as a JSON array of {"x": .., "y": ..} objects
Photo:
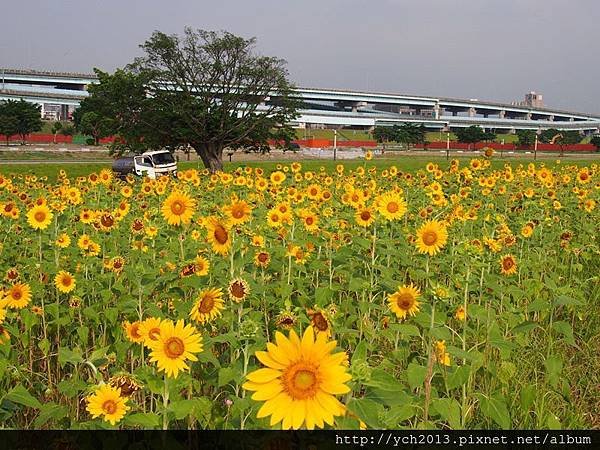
[{"x": 532, "y": 99}]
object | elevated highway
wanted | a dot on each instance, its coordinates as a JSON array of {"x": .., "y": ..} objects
[{"x": 334, "y": 107}]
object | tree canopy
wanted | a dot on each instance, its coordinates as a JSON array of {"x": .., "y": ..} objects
[
  {"x": 474, "y": 134},
  {"x": 205, "y": 89},
  {"x": 406, "y": 133},
  {"x": 526, "y": 137},
  {"x": 19, "y": 117}
]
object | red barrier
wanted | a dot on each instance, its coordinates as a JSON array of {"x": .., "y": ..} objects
[
  {"x": 324, "y": 143},
  {"x": 41, "y": 138},
  {"x": 510, "y": 147}
]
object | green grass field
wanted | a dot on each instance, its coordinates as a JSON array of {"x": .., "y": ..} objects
[{"x": 404, "y": 163}]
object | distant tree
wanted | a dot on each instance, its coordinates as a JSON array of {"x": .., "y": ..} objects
[
  {"x": 596, "y": 141},
  {"x": 56, "y": 127},
  {"x": 473, "y": 134},
  {"x": 384, "y": 134},
  {"x": 67, "y": 130},
  {"x": 93, "y": 124},
  {"x": 26, "y": 117},
  {"x": 546, "y": 136},
  {"x": 8, "y": 122},
  {"x": 410, "y": 134},
  {"x": 570, "y": 137},
  {"x": 221, "y": 93},
  {"x": 526, "y": 137}
]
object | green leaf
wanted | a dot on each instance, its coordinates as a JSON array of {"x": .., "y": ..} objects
[
  {"x": 494, "y": 408},
  {"x": 20, "y": 395},
  {"x": 566, "y": 330},
  {"x": 553, "y": 422},
  {"x": 527, "y": 397},
  {"x": 360, "y": 352},
  {"x": 416, "y": 375},
  {"x": 405, "y": 330},
  {"x": 367, "y": 410},
  {"x": 66, "y": 356},
  {"x": 226, "y": 374},
  {"x": 50, "y": 411},
  {"x": 524, "y": 327},
  {"x": 554, "y": 367},
  {"x": 400, "y": 413},
  {"x": 144, "y": 420},
  {"x": 449, "y": 410},
  {"x": 565, "y": 300},
  {"x": 458, "y": 377},
  {"x": 383, "y": 380}
]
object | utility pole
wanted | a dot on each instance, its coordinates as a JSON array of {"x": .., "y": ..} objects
[
  {"x": 448, "y": 146},
  {"x": 535, "y": 148},
  {"x": 334, "y": 144}
]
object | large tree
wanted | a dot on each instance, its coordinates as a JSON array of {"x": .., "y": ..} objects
[
  {"x": 8, "y": 122},
  {"x": 221, "y": 93},
  {"x": 473, "y": 134},
  {"x": 526, "y": 137},
  {"x": 21, "y": 117}
]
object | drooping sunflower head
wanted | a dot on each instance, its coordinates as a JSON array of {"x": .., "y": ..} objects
[
  {"x": 238, "y": 290},
  {"x": 126, "y": 383},
  {"x": 178, "y": 208},
  {"x": 300, "y": 381},
  {"x": 508, "y": 265},
  {"x": 208, "y": 306},
  {"x": 177, "y": 344},
  {"x": 431, "y": 237},
  {"x": 107, "y": 402},
  {"x": 286, "y": 320},
  {"x": 404, "y": 301},
  {"x": 319, "y": 320},
  {"x": 262, "y": 258}
]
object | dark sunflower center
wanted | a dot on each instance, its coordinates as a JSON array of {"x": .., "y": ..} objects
[
  {"x": 174, "y": 347},
  {"x": 221, "y": 235},
  {"x": 405, "y": 301},
  {"x": 365, "y": 215},
  {"x": 237, "y": 290},
  {"x": 109, "y": 407},
  {"x": 177, "y": 207},
  {"x": 206, "y": 304},
  {"x": 392, "y": 207},
  {"x": 430, "y": 237}
]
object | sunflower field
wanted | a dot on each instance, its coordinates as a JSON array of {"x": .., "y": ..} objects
[{"x": 461, "y": 295}]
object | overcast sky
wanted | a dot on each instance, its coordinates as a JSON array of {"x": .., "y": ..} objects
[{"x": 487, "y": 49}]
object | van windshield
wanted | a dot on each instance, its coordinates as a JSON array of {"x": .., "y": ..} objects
[{"x": 163, "y": 158}]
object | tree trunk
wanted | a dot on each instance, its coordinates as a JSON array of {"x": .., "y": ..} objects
[{"x": 211, "y": 155}]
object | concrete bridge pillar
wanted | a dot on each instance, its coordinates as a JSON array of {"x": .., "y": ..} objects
[
  {"x": 472, "y": 112},
  {"x": 551, "y": 118},
  {"x": 571, "y": 119},
  {"x": 436, "y": 110},
  {"x": 528, "y": 116},
  {"x": 502, "y": 114}
]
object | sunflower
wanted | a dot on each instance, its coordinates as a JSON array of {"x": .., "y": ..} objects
[
  {"x": 262, "y": 258},
  {"x": 404, "y": 301},
  {"x": 178, "y": 208},
  {"x": 431, "y": 237},
  {"x": 300, "y": 381},
  {"x": 208, "y": 305},
  {"x": 508, "y": 265},
  {"x": 39, "y": 217},
  {"x": 460, "y": 313},
  {"x": 4, "y": 335},
  {"x": 319, "y": 320},
  {"x": 218, "y": 236},
  {"x": 364, "y": 217},
  {"x": 441, "y": 355},
  {"x": 202, "y": 265},
  {"x": 64, "y": 282},
  {"x": 277, "y": 177},
  {"x": 238, "y": 212},
  {"x": 63, "y": 240},
  {"x": 107, "y": 402},
  {"x": 177, "y": 343},
  {"x": 18, "y": 296},
  {"x": 126, "y": 383},
  {"x": 238, "y": 290},
  {"x": 286, "y": 320},
  {"x": 133, "y": 331},
  {"x": 149, "y": 330},
  {"x": 391, "y": 205}
]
